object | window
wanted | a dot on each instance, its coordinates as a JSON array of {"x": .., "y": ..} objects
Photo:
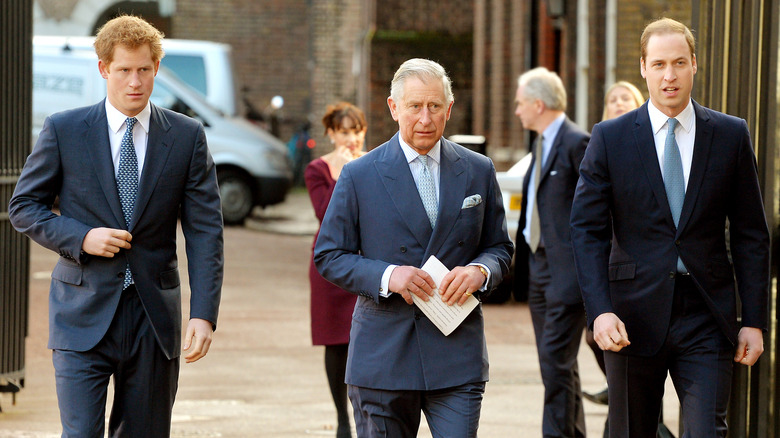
[{"x": 191, "y": 69}]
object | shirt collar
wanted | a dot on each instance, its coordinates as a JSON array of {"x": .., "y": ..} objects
[
  {"x": 551, "y": 130},
  {"x": 411, "y": 154},
  {"x": 658, "y": 119},
  {"x": 116, "y": 119}
]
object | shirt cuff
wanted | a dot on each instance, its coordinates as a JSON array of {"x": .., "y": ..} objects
[
  {"x": 487, "y": 279},
  {"x": 384, "y": 286}
]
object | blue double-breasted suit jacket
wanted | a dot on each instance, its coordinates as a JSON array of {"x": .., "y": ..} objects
[{"x": 375, "y": 219}]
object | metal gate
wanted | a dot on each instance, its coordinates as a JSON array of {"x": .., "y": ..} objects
[
  {"x": 738, "y": 54},
  {"x": 15, "y": 126}
]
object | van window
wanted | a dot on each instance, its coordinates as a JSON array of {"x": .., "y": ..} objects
[
  {"x": 163, "y": 97},
  {"x": 190, "y": 69}
]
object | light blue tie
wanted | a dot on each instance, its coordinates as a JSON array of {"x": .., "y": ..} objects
[
  {"x": 535, "y": 231},
  {"x": 427, "y": 190},
  {"x": 127, "y": 182},
  {"x": 674, "y": 181}
]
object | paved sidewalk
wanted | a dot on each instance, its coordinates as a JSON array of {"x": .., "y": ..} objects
[
  {"x": 295, "y": 216},
  {"x": 262, "y": 377}
]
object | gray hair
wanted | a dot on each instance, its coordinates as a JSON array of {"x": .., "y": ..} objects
[
  {"x": 547, "y": 86},
  {"x": 424, "y": 70}
]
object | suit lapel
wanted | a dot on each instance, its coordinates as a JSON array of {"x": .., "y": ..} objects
[
  {"x": 99, "y": 146},
  {"x": 399, "y": 183},
  {"x": 548, "y": 163},
  {"x": 701, "y": 152},
  {"x": 645, "y": 144},
  {"x": 158, "y": 147},
  {"x": 452, "y": 191}
]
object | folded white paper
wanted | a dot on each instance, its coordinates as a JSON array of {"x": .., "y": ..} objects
[{"x": 446, "y": 318}]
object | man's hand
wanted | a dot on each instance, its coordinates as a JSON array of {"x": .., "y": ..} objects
[
  {"x": 458, "y": 285},
  {"x": 408, "y": 280},
  {"x": 750, "y": 345},
  {"x": 610, "y": 332},
  {"x": 105, "y": 242},
  {"x": 199, "y": 332}
]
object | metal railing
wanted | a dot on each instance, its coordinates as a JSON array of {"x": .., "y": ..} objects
[
  {"x": 738, "y": 70},
  {"x": 15, "y": 125}
]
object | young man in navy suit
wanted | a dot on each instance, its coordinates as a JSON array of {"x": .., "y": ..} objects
[
  {"x": 381, "y": 225},
  {"x": 125, "y": 172},
  {"x": 545, "y": 261},
  {"x": 661, "y": 183}
]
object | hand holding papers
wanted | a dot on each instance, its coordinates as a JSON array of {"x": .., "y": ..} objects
[{"x": 446, "y": 318}]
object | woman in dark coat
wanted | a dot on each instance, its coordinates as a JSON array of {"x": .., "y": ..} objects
[{"x": 331, "y": 307}]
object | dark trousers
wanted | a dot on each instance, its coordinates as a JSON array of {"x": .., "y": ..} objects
[
  {"x": 558, "y": 329},
  {"x": 696, "y": 354},
  {"x": 450, "y": 412},
  {"x": 145, "y": 381}
]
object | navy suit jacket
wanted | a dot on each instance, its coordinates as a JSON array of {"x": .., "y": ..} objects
[
  {"x": 620, "y": 177},
  {"x": 554, "y": 198},
  {"x": 376, "y": 218},
  {"x": 72, "y": 160}
]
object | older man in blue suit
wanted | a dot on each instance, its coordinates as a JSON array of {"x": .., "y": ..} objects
[
  {"x": 415, "y": 196},
  {"x": 657, "y": 188},
  {"x": 125, "y": 171}
]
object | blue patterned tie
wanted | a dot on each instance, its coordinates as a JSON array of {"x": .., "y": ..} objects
[
  {"x": 674, "y": 181},
  {"x": 127, "y": 181},
  {"x": 427, "y": 190}
]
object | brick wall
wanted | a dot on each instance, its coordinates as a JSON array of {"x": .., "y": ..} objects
[
  {"x": 338, "y": 29},
  {"x": 311, "y": 53},
  {"x": 271, "y": 44},
  {"x": 440, "y": 31},
  {"x": 633, "y": 16}
]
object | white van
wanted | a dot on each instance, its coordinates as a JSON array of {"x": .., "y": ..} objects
[
  {"x": 206, "y": 66},
  {"x": 252, "y": 165}
]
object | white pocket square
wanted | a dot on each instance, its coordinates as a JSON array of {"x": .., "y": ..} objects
[{"x": 472, "y": 201}]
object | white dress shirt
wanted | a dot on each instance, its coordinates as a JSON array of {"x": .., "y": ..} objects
[
  {"x": 684, "y": 134},
  {"x": 548, "y": 138}
]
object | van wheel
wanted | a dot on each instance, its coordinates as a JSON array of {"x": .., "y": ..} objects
[{"x": 236, "y": 194}]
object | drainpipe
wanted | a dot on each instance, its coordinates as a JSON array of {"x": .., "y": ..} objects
[
  {"x": 583, "y": 65},
  {"x": 610, "y": 39}
]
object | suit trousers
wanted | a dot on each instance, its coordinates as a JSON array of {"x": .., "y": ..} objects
[
  {"x": 450, "y": 412},
  {"x": 558, "y": 329},
  {"x": 145, "y": 381},
  {"x": 698, "y": 357}
]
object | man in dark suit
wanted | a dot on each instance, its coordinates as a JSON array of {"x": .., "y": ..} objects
[
  {"x": 665, "y": 180},
  {"x": 377, "y": 232},
  {"x": 545, "y": 262},
  {"x": 115, "y": 299}
]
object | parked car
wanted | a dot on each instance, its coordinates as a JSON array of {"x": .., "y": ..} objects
[
  {"x": 252, "y": 165},
  {"x": 511, "y": 184}
]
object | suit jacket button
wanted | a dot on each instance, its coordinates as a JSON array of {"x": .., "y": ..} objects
[
  {"x": 677, "y": 242},
  {"x": 403, "y": 248},
  {"x": 671, "y": 275},
  {"x": 461, "y": 243},
  {"x": 417, "y": 316},
  {"x": 121, "y": 274}
]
